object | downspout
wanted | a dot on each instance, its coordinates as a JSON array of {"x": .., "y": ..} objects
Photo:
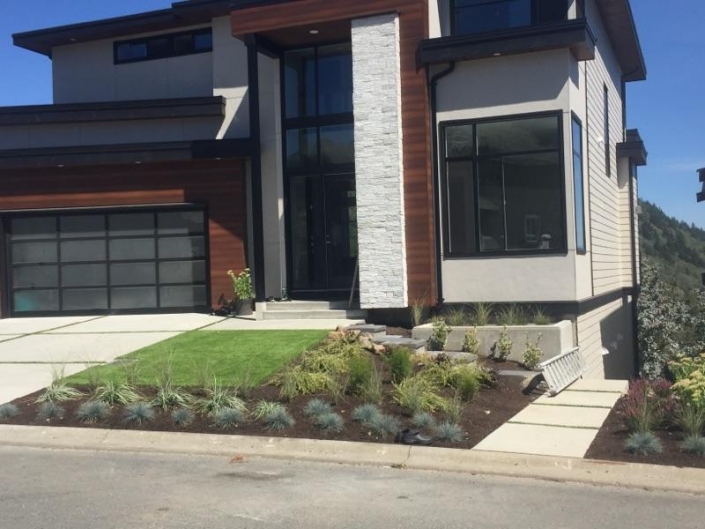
[{"x": 433, "y": 84}]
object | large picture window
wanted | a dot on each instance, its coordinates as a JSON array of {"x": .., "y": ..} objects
[
  {"x": 479, "y": 16},
  {"x": 503, "y": 186}
]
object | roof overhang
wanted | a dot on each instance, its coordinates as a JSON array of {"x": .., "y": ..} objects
[
  {"x": 701, "y": 195},
  {"x": 180, "y": 14},
  {"x": 633, "y": 148},
  {"x": 619, "y": 22}
]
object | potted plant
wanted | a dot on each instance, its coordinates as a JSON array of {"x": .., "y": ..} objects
[{"x": 244, "y": 293}]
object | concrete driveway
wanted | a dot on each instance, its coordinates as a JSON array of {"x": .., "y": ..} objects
[{"x": 31, "y": 349}]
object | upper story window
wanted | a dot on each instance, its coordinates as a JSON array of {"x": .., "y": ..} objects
[
  {"x": 163, "y": 46},
  {"x": 479, "y": 16},
  {"x": 503, "y": 186}
]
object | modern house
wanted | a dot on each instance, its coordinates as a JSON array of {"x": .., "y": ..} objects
[{"x": 407, "y": 151}]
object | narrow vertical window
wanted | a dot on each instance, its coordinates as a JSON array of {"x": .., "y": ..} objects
[
  {"x": 578, "y": 186},
  {"x": 608, "y": 157}
]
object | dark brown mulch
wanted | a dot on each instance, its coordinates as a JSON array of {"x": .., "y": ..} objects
[
  {"x": 609, "y": 445},
  {"x": 490, "y": 409}
]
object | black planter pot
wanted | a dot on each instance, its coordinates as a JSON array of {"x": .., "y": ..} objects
[{"x": 243, "y": 307}]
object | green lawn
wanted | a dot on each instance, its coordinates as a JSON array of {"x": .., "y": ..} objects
[{"x": 229, "y": 355}]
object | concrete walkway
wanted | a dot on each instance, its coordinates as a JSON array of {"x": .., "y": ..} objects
[{"x": 561, "y": 426}]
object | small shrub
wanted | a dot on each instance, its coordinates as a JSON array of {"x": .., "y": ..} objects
[
  {"x": 59, "y": 392},
  {"x": 228, "y": 418},
  {"x": 400, "y": 363},
  {"x": 139, "y": 413},
  {"x": 694, "y": 444},
  {"x": 449, "y": 432},
  {"x": 372, "y": 392},
  {"x": 279, "y": 419},
  {"x": 418, "y": 394},
  {"x": 487, "y": 376},
  {"x": 439, "y": 335},
  {"x": 171, "y": 397},
  {"x": 503, "y": 347},
  {"x": 330, "y": 422},
  {"x": 423, "y": 420},
  {"x": 533, "y": 353},
  {"x": 417, "y": 313},
  {"x": 316, "y": 407},
  {"x": 456, "y": 317},
  {"x": 297, "y": 381},
  {"x": 365, "y": 413},
  {"x": 691, "y": 419},
  {"x": 113, "y": 393},
  {"x": 684, "y": 366},
  {"x": 540, "y": 317},
  {"x": 482, "y": 314},
  {"x": 360, "y": 372},
  {"x": 7, "y": 411},
  {"x": 466, "y": 381},
  {"x": 93, "y": 411},
  {"x": 643, "y": 444},
  {"x": 132, "y": 371},
  {"x": 692, "y": 388},
  {"x": 264, "y": 408},
  {"x": 49, "y": 411},
  {"x": 218, "y": 398},
  {"x": 471, "y": 343},
  {"x": 512, "y": 315},
  {"x": 182, "y": 416},
  {"x": 385, "y": 425},
  {"x": 647, "y": 405},
  {"x": 454, "y": 409}
]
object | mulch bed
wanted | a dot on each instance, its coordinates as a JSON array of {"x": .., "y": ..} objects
[
  {"x": 487, "y": 412},
  {"x": 609, "y": 445}
]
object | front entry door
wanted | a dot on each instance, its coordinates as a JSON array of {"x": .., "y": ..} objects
[{"x": 323, "y": 235}]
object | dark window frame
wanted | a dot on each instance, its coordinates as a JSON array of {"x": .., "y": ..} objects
[
  {"x": 171, "y": 38},
  {"x": 581, "y": 249},
  {"x": 444, "y": 159},
  {"x": 606, "y": 132},
  {"x": 454, "y": 8}
]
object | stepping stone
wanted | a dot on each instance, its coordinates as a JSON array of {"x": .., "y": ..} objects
[
  {"x": 376, "y": 331},
  {"x": 400, "y": 341},
  {"x": 587, "y": 399},
  {"x": 603, "y": 386},
  {"x": 539, "y": 440},
  {"x": 565, "y": 416},
  {"x": 462, "y": 358}
]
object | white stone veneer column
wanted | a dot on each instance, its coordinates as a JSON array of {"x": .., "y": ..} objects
[{"x": 379, "y": 162}]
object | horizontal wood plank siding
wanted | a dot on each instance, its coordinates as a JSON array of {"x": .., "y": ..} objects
[
  {"x": 418, "y": 191},
  {"x": 220, "y": 186}
]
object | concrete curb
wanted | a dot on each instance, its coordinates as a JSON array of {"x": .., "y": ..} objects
[{"x": 648, "y": 477}]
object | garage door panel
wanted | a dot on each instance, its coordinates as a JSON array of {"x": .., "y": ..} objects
[
  {"x": 183, "y": 296},
  {"x": 84, "y": 275},
  {"x": 181, "y": 222},
  {"x": 36, "y": 301},
  {"x": 178, "y": 272},
  {"x": 133, "y": 274},
  {"x": 83, "y": 251},
  {"x": 81, "y": 226},
  {"x": 131, "y": 224},
  {"x": 85, "y": 299},
  {"x": 131, "y": 298},
  {"x": 34, "y": 228},
  {"x": 132, "y": 249},
  {"x": 182, "y": 247},
  {"x": 36, "y": 276}
]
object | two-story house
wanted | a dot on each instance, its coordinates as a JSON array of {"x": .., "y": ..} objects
[{"x": 437, "y": 151}]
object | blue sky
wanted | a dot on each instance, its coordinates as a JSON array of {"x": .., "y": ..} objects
[{"x": 668, "y": 109}]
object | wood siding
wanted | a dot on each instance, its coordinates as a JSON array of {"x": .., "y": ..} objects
[
  {"x": 418, "y": 191},
  {"x": 218, "y": 185}
]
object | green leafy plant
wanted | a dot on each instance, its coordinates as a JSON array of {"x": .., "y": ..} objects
[
  {"x": 466, "y": 379},
  {"x": 316, "y": 407},
  {"x": 512, "y": 315},
  {"x": 691, "y": 419},
  {"x": 643, "y": 444},
  {"x": 360, "y": 372},
  {"x": 694, "y": 444},
  {"x": 540, "y": 317},
  {"x": 132, "y": 371},
  {"x": 400, "y": 364},
  {"x": 242, "y": 284},
  {"x": 439, "y": 335},
  {"x": 58, "y": 390},
  {"x": 384, "y": 425},
  {"x": 217, "y": 398},
  {"x": 372, "y": 391},
  {"x": 471, "y": 343},
  {"x": 330, "y": 422},
  {"x": 264, "y": 408},
  {"x": 503, "y": 346},
  {"x": 168, "y": 395},
  {"x": 423, "y": 420},
  {"x": 228, "y": 418},
  {"x": 365, "y": 413},
  {"x": 418, "y": 394},
  {"x": 49, "y": 411},
  {"x": 482, "y": 314},
  {"x": 417, "y": 312},
  {"x": 456, "y": 317},
  {"x": 139, "y": 413},
  {"x": 455, "y": 408},
  {"x": 182, "y": 416},
  {"x": 8, "y": 411},
  {"x": 279, "y": 419},
  {"x": 449, "y": 432},
  {"x": 647, "y": 405},
  {"x": 692, "y": 388},
  {"x": 93, "y": 411},
  {"x": 683, "y": 366},
  {"x": 533, "y": 353},
  {"x": 113, "y": 393}
]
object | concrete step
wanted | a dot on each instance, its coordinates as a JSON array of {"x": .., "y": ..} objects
[
  {"x": 313, "y": 314},
  {"x": 274, "y": 306}
]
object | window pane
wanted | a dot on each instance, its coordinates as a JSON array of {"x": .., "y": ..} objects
[
  {"x": 301, "y": 148},
  {"x": 186, "y": 296},
  {"x": 491, "y": 205},
  {"x": 461, "y": 207},
  {"x": 551, "y": 11},
  {"x": 36, "y": 301},
  {"x": 132, "y": 249},
  {"x": 182, "y": 248},
  {"x": 203, "y": 41},
  {"x": 335, "y": 86},
  {"x": 477, "y": 16},
  {"x": 183, "y": 44},
  {"x": 159, "y": 48},
  {"x": 578, "y": 186},
  {"x": 182, "y": 272},
  {"x": 82, "y": 226},
  {"x": 40, "y": 276},
  {"x": 131, "y": 224},
  {"x": 133, "y": 274},
  {"x": 533, "y": 202},
  {"x": 72, "y": 251},
  {"x": 123, "y": 298},
  {"x": 88, "y": 275},
  {"x": 33, "y": 228},
  {"x": 34, "y": 252},
  {"x": 337, "y": 145},
  {"x": 181, "y": 222},
  {"x": 517, "y": 136},
  {"x": 85, "y": 299},
  {"x": 300, "y": 83},
  {"x": 460, "y": 141}
]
